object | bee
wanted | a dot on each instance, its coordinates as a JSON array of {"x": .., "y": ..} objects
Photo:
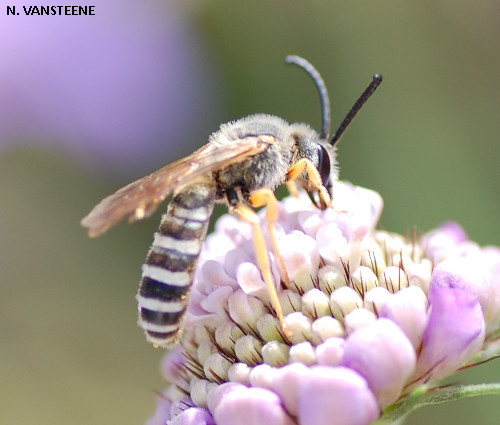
[{"x": 241, "y": 165}]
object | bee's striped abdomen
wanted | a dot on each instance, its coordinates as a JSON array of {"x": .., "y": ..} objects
[{"x": 169, "y": 269}]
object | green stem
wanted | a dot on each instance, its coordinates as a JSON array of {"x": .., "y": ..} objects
[{"x": 396, "y": 413}]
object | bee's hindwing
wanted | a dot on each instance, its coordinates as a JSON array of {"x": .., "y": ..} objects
[{"x": 169, "y": 269}]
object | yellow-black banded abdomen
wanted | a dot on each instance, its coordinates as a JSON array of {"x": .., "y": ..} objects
[{"x": 167, "y": 274}]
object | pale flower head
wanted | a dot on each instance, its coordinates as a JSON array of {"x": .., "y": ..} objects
[{"x": 373, "y": 316}]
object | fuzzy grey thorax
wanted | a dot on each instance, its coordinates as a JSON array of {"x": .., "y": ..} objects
[{"x": 268, "y": 168}]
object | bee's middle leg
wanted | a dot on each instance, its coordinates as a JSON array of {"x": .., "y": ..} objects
[
  {"x": 290, "y": 184},
  {"x": 246, "y": 214},
  {"x": 266, "y": 197}
]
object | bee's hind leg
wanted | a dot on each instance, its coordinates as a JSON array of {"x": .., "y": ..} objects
[{"x": 245, "y": 213}]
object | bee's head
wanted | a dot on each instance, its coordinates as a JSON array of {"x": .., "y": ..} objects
[
  {"x": 309, "y": 145},
  {"x": 319, "y": 149}
]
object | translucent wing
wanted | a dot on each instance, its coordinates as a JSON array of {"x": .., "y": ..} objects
[{"x": 141, "y": 198}]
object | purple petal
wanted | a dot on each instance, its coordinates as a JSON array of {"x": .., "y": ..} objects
[
  {"x": 383, "y": 355},
  {"x": 454, "y": 231},
  {"x": 250, "y": 406},
  {"x": 287, "y": 382},
  {"x": 250, "y": 279},
  {"x": 245, "y": 253},
  {"x": 162, "y": 413},
  {"x": 331, "y": 352},
  {"x": 216, "y": 301},
  {"x": 195, "y": 313},
  {"x": 492, "y": 314},
  {"x": 363, "y": 208},
  {"x": 230, "y": 234},
  {"x": 301, "y": 258},
  {"x": 332, "y": 245},
  {"x": 309, "y": 222},
  {"x": 245, "y": 309},
  {"x": 468, "y": 273},
  {"x": 172, "y": 364},
  {"x": 207, "y": 308},
  {"x": 335, "y": 395},
  {"x": 419, "y": 274},
  {"x": 238, "y": 256},
  {"x": 341, "y": 234},
  {"x": 232, "y": 228},
  {"x": 447, "y": 241},
  {"x": 179, "y": 406},
  {"x": 455, "y": 331},
  {"x": 194, "y": 416},
  {"x": 216, "y": 395},
  {"x": 374, "y": 204},
  {"x": 361, "y": 204},
  {"x": 213, "y": 276},
  {"x": 263, "y": 376},
  {"x": 408, "y": 309}
]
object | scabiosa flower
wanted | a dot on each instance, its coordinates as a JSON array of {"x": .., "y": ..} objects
[{"x": 376, "y": 318}]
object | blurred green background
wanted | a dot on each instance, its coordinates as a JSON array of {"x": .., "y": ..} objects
[{"x": 428, "y": 141}]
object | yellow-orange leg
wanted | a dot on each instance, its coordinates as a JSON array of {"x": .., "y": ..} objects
[
  {"x": 262, "y": 253},
  {"x": 263, "y": 197},
  {"x": 314, "y": 178},
  {"x": 292, "y": 189}
]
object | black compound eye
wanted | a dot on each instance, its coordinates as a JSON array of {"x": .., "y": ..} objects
[{"x": 324, "y": 165}]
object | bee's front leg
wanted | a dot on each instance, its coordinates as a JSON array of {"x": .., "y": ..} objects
[
  {"x": 314, "y": 178},
  {"x": 246, "y": 214}
]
